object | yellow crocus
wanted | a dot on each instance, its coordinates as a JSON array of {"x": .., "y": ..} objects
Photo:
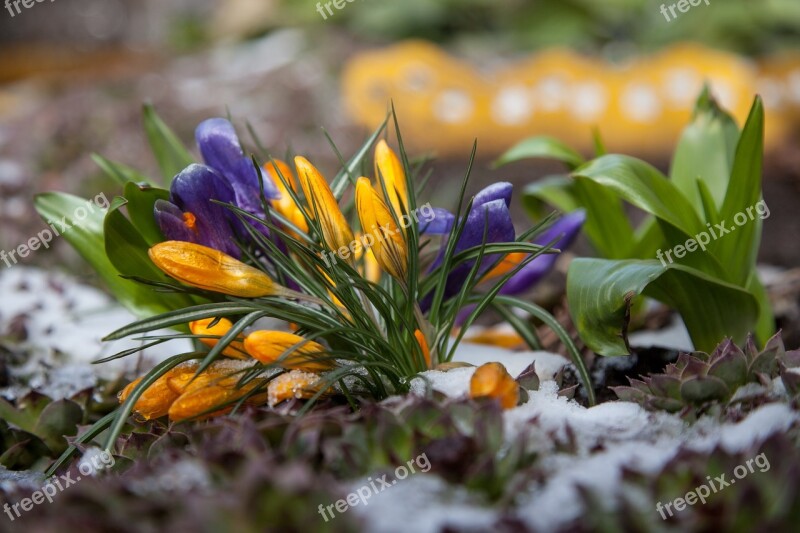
[
  {"x": 294, "y": 384},
  {"x": 269, "y": 346},
  {"x": 423, "y": 344},
  {"x": 285, "y": 205},
  {"x": 389, "y": 169},
  {"x": 223, "y": 326},
  {"x": 493, "y": 380},
  {"x": 212, "y": 270},
  {"x": 181, "y": 395},
  {"x": 336, "y": 231},
  {"x": 387, "y": 241}
]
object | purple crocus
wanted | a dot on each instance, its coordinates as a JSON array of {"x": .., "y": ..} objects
[
  {"x": 490, "y": 217},
  {"x": 228, "y": 176},
  {"x": 191, "y": 216}
]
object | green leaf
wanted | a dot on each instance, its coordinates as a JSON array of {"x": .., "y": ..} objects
[
  {"x": 87, "y": 237},
  {"x": 127, "y": 251},
  {"x": 541, "y": 147},
  {"x": 170, "y": 153},
  {"x": 555, "y": 191},
  {"x": 645, "y": 187},
  {"x": 705, "y": 153},
  {"x": 141, "y": 201},
  {"x": 122, "y": 174},
  {"x": 739, "y": 251},
  {"x": 601, "y": 291}
]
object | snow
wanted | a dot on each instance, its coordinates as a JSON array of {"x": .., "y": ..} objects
[
  {"x": 606, "y": 438},
  {"x": 64, "y": 322}
]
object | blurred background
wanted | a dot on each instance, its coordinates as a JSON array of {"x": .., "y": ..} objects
[{"x": 74, "y": 74}]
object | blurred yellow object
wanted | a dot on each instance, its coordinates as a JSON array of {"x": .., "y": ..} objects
[
  {"x": 294, "y": 384},
  {"x": 638, "y": 107},
  {"x": 203, "y": 327}
]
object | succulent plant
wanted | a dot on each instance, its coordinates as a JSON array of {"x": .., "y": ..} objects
[{"x": 698, "y": 378}]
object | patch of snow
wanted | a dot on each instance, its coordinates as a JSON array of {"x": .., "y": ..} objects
[
  {"x": 65, "y": 321},
  {"x": 422, "y": 503},
  {"x": 673, "y": 337}
]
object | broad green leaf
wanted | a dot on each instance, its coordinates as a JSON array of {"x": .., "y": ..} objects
[
  {"x": 739, "y": 251},
  {"x": 645, "y": 187},
  {"x": 122, "y": 174},
  {"x": 141, "y": 200},
  {"x": 541, "y": 147},
  {"x": 87, "y": 237},
  {"x": 601, "y": 292},
  {"x": 705, "y": 153},
  {"x": 170, "y": 153},
  {"x": 607, "y": 227},
  {"x": 127, "y": 251},
  {"x": 551, "y": 191},
  {"x": 765, "y": 327}
]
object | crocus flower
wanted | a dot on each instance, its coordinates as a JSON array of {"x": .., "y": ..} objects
[
  {"x": 490, "y": 213},
  {"x": 221, "y": 150},
  {"x": 492, "y": 380},
  {"x": 284, "y": 204},
  {"x": 389, "y": 170},
  {"x": 322, "y": 204},
  {"x": 269, "y": 346},
  {"x": 387, "y": 242},
  {"x": 191, "y": 216},
  {"x": 182, "y": 396},
  {"x": 204, "y": 328},
  {"x": 212, "y": 270},
  {"x": 294, "y": 384},
  {"x": 423, "y": 344}
]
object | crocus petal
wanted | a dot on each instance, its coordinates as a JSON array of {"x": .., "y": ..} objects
[
  {"x": 173, "y": 223},
  {"x": 156, "y": 400},
  {"x": 336, "y": 231},
  {"x": 284, "y": 204},
  {"x": 210, "y": 269},
  {"x": 492, "y": 380},
  {"x": 440, "y": 223},
  {"x": 269, "y": 347},
  {"x": 494, "y": 218},
  {"x": 221, "y": 150},
  {"x": 501, "y": 190},
  {"x": 389, "y": 169},
  {"x": 565, "y": 229},
  {"x": 215, "y": 391},
  {"x": 388, "y": 243},
  {"x": 423, "y": 345},
  {"x": 294, "y": 384},
  {"x": 203, "y": 327},
  {"x": 192, "y": 191}
]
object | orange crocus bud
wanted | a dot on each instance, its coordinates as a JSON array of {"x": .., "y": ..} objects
[
  {"x": 201, "y": 327},
  {"x": 269, "y": 346},
  {"x": 493, "y": 380},
  {"x": 423, "y": 344},
  {"x": 294, "y": 384},
  {"x": 336, "y": 231},
  {"x": 214, "y": 392},
  {"x": 212, "y": 270},
  {"x": 389, "y": 169},
  {"x": 388, "y": 244},
  {"x": 157, "y": 399},
  {"x": 285, "y": 205}
]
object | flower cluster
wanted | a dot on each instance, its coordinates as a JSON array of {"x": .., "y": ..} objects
[{"x": 253, "y": 240}]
